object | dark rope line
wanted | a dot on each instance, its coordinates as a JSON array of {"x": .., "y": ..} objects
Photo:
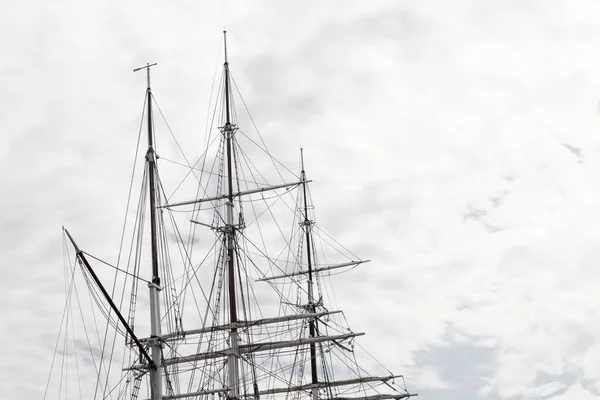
[
  {"x": 199, "y": 169},
  {"x": 171, "y": 132},
  {"x": 67, "y": 303},
  {"x": 137, "y": 148},
  {"x": 114, "y": 267},
  {"x": 275, "y": 161}
]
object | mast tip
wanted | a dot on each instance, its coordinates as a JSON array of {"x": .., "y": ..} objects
[
  {"x": 147, "y": 66},
  {"x": 225, "y": 45}
]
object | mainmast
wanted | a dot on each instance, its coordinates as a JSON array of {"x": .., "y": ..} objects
[
  {"x": 154, "y": 285},
  {"x": 312, "y": 328},
  {"x": 228, "y": 130}
]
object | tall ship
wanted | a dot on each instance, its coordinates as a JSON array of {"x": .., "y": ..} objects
[{"x": 223, "y": 285}]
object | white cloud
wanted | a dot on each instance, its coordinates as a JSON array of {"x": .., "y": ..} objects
[
  {"x": 576, "y": 392},
  {"x": 442, "y": 131}
]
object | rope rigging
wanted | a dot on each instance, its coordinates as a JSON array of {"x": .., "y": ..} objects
[{"x": 287, "y": 344}]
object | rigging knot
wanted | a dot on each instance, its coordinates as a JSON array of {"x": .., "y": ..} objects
[
  {"x": 307, "y": 222},
  {"x": 155, "y": 341},
  {"x": 155, "y": 283},
  {"x": 311, "y": 306},
  {"x": 151, "y": 155},
  {"x": 229, "y": 128}
]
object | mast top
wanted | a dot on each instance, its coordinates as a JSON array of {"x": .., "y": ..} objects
[
  {"x": 302, "y": 172},
  {"x": 225, "y": 45},
  {"x": 147, "y": 68}
]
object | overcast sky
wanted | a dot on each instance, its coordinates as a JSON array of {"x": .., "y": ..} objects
[{"x": 454, "y": 143}]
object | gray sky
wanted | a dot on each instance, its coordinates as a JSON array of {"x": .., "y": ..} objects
[{"x": 459, "y": 142}]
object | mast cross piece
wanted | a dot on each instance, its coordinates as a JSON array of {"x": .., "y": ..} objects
[{"x": 147, "y": 68}]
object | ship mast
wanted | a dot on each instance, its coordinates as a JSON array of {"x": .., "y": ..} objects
[
  {"x": 228, "y": 130},
  {"x": 312, "y": 328},
  {"x": 154, "y": 285}
]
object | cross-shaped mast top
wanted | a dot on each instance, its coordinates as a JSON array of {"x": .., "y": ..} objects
[{"x": 147, "y": 68}]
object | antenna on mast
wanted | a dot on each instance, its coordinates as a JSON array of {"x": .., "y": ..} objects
[
  {"x": 147, "y": 68},
  {"x": 225, "y": 45}
]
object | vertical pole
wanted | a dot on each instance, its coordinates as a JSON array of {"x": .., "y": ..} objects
[
  {"x": 311, "y": 301},
  {"x": 228, "y": 131},
  {"x": 154, "y": 286}
]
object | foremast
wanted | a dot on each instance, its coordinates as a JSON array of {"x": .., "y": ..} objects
[
  {"x": 228, "y": 130},
  {"x": 155, "y": 341}
]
